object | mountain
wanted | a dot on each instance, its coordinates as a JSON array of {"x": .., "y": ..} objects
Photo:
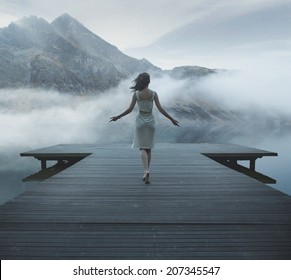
[
  {"x": 189, "y": 72},
  {"x": 63, "y": 55},
  {"x": 67, "y": 57}
]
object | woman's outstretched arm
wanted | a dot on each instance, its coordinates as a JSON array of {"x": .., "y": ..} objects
[
  {"x": 162, "y": 110},
  {"x": 127, "y": 111}
]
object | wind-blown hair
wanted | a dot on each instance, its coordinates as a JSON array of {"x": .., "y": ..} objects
[{"x": 141, "y": 82}]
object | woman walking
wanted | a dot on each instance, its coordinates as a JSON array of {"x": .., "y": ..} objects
[{"x": 144, "y": 135}]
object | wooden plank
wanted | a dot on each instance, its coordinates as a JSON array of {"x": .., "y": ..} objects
[{"x": 194, "y": 208}]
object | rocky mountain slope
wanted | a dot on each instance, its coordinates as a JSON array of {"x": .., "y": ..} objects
[
  {"x": 65, "y": 56},
  {"x": 62, "y": 55}
]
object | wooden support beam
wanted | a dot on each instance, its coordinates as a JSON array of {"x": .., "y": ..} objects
[
  {"x": 251, "y": 171},
  {"x": 253, "y": 164},
  {"x": 43, "y": 164}
]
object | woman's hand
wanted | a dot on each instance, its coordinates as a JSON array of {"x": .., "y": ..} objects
[
  {"x": 114, "y": 119},
  {"x": 175, "y": 122}
]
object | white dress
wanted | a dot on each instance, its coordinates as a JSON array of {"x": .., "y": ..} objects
[{"x": 144, "y": 134}]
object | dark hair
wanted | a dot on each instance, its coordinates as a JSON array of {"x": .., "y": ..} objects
[{"x": 141, "y": 82}]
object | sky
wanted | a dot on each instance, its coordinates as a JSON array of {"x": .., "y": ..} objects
[
  {"x": 250, "y": 35},
  {"x": 139, "y": 27}
]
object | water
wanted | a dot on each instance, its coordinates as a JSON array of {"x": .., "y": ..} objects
[
  {"x": 12, "y": 170},
  {"x": 279, "y": 167}
]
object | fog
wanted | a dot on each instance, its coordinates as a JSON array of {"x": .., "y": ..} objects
[
  {"x": 37, "y": 118},
  {"x": 31, "y": 118}
]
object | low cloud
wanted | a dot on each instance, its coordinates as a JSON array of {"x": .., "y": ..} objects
[
  {"x": 34, "y": 118},
  {"x": 37, "y": 118}
]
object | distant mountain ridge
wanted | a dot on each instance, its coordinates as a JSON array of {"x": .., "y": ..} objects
[
  {"x": 66, "y": 56},
  {"x": 63, "y": 55}
]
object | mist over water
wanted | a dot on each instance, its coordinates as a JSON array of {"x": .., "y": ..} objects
[{"x": 31, "y": 119}]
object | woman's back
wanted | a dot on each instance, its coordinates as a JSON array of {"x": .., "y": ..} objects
[
  {"x": 145, "y": 100},
  {"x": 145, "y": 94}
]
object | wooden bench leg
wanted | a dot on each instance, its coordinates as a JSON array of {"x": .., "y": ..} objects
[
  {"x": 253, "y": 164},
  {"x": 43, "y": 164}
]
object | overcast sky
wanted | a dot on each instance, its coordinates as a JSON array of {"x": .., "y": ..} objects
[{"x": 132, "y": 25}]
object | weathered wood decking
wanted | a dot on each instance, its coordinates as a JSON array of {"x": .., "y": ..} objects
[{"x": 194, "y": 208}]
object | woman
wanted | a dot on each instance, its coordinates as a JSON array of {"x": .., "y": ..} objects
[{"x": 144, "y": 136}]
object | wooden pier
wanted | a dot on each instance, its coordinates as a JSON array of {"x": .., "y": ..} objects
[{"x": 194, "y": 208}]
